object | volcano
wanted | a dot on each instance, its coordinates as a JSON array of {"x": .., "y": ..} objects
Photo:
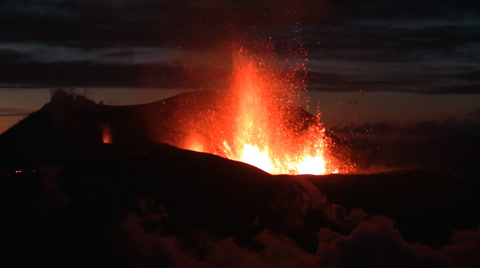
[
  {"x": 74, "y": 121},
  {"x": 91, "y": 184}
]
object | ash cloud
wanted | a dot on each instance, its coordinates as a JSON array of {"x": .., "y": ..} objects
[
  {"x": 372, "y": 242},
  {"x": 378, "y": 239}
]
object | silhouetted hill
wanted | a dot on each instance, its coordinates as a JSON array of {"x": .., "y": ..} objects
[
  {"x": 110, "y": 204},
  {"x": 66, "y": 122},
  {"x": 69, "y": 121},
  {"x": 69, "y": 200}
]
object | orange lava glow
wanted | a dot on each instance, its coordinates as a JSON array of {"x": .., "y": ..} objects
[
  {"x": 106, "y": 135},
  {"x": 266, "y": 128}
]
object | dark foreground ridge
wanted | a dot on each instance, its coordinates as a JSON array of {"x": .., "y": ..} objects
[{"x": 68, "y": 200}]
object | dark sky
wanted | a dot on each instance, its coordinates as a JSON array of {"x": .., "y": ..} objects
[
  {"x": 370, "y": 45},
  {"x": 375, "y": 47}
]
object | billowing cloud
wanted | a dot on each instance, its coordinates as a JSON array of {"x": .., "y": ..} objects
[{"x": 372, "y": 242}]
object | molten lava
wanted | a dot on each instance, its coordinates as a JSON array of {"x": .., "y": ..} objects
[
  {"x": 263, "y": 128},
  {"x": 106, "y": 135}
]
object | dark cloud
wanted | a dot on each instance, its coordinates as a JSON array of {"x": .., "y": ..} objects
[
  {"x": 468, "y": 76},
  {"x": 146, "y": 248},
  {"x": 468, "y": 89},
  {"x": 174, "y": 23},
  {"x": 12, "y": 56},
  {"x": 342, "y": 217},
  {"x": 384, "y": 56},
  {"x": 393, "y": 46},
  {"x": 372, "y": 242},
  {"x": 406, "y": 9},
  {"x": 382, "y": 43},
  {"x": 279, "y": 251},
  {"x": 86, "y": 74},
  {"x": 463, "y": 251},
  {"x": 377, "y": 243}
]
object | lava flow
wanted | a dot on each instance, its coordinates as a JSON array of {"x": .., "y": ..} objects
[{"x": 265, "y": 129}]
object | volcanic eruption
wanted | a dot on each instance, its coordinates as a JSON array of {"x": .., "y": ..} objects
[{"x": 261, "y": 123}]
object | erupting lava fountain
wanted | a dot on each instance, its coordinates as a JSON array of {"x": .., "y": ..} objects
[{"x": 263, "y": 106}]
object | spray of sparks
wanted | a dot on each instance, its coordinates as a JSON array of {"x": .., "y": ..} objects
[{"x": 264, "y": 130}]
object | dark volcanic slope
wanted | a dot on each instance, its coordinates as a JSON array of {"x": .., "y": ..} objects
[
  {"x": 106, "y": 204},
  {"x": 69, "y": 121},
  {"x": 68, "y": 200}
]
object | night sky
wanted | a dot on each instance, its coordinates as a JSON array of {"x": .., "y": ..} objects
[
  {"x": 91, "y": 180},
  {"x": 369, "y": 61}
]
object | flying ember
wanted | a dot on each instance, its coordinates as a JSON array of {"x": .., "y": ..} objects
[{"x": 267, "y": 129}]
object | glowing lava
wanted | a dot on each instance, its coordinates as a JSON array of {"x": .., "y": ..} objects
[
  {"x": 265, "y": 128},
  {"x": 106, "y": 135}
]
